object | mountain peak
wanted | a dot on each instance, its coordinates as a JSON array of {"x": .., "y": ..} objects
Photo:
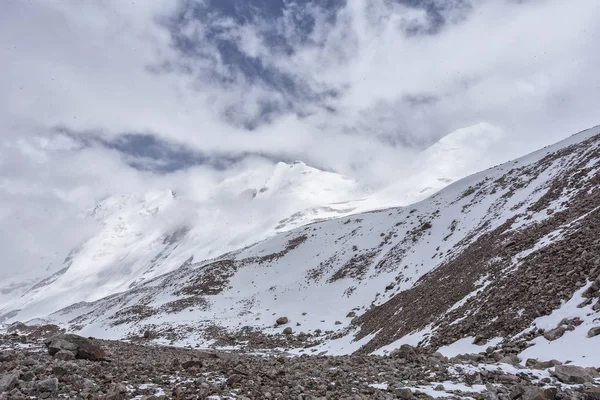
[{"x": 486, "y": 261}]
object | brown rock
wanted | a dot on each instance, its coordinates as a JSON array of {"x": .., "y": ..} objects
[
  {"x": 592, "y": 393},
  {"x": 479, "y": 341},
  {"x": 192, "y": 363},
  {"x": 234, "y": 379}
]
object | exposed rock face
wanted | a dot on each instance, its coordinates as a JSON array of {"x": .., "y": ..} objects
[{"x": 79, "y": 346}]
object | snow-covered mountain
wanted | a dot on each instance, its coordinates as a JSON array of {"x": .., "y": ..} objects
[
  {"x": 139, "y": 236},
  {"x": 505, "y": 257}
]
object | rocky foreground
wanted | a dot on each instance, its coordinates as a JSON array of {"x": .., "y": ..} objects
[{"x": 46, "y": 363}]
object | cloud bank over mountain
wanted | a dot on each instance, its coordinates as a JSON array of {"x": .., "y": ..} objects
[{"x": 102, "y": 98}]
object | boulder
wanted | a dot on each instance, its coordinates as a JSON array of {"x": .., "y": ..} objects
[
  {"x": 595, "y": 331},
  {"x": 282, "y": 320},
  {"x": 536, "y": 364},
  {"x": 524, "y": 392},
  {"x": 512, "y": 360},
  {"x": 479, "y": 340},
  {"x": 405, "y": 351},
  {"x": 575, "y": 375},
  {"x": 555, "y": 333},
  {"x": 81, "y": 347},
  {"x": 351, "y": 314},
  {"x": 48, "y": 385},
  {"x": 592, "y": 393},
  {"x": 535, "y": 393},
  {"x": 234, "y": 379},
  {"x": 56, "y": 344},
  {"x": 8, "y": 381},
  {"x": 65, "y": 355},
  {"x": 192, "y": 363},
  {"x": 404, "y": 393},
  {"x": 288, "y": 331}
]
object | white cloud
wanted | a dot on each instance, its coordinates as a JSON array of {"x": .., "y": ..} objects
[{"x": 527, "y": 67}]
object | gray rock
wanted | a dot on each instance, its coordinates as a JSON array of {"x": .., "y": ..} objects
[
  {"x": 59, "y": 344},
  {"x": 83, "y": 348},
  {"x": 490, "y": 396},
  {"x": 89, "y": 385},
  {"x": 512, "y": 360},
  {"x": 48, "y": 385},
  {"x": 535, "y": 393},
  {"x": 288, "y": 331},
  {"x": 575, "y": 375},
  {"x": 65, "y": 355},
  {"x": 555, "y": 333},
  {"x": 536, "y": 364},
  {"x": 516, "y": 392},
  {"x": 8, "y": 381},
  {"x": 405, "y": 351},
  {"x": 404, "y": 393},
  {"x": 595, "y": 331}
]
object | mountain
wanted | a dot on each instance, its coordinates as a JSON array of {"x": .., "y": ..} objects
[
  {"x": 508, "y": 257},
  {"x": 141, "y": 236},
  {"x": 138, "y": 236}
]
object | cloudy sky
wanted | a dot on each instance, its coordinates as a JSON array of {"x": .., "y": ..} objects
[{"x": 105, "y": 97}]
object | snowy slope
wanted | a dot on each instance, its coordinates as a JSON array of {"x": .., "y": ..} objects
[
  {"x": 484, "y": 258},
  {"x": 456, "y": 155},
  {"x": 139, "y": 236}
]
